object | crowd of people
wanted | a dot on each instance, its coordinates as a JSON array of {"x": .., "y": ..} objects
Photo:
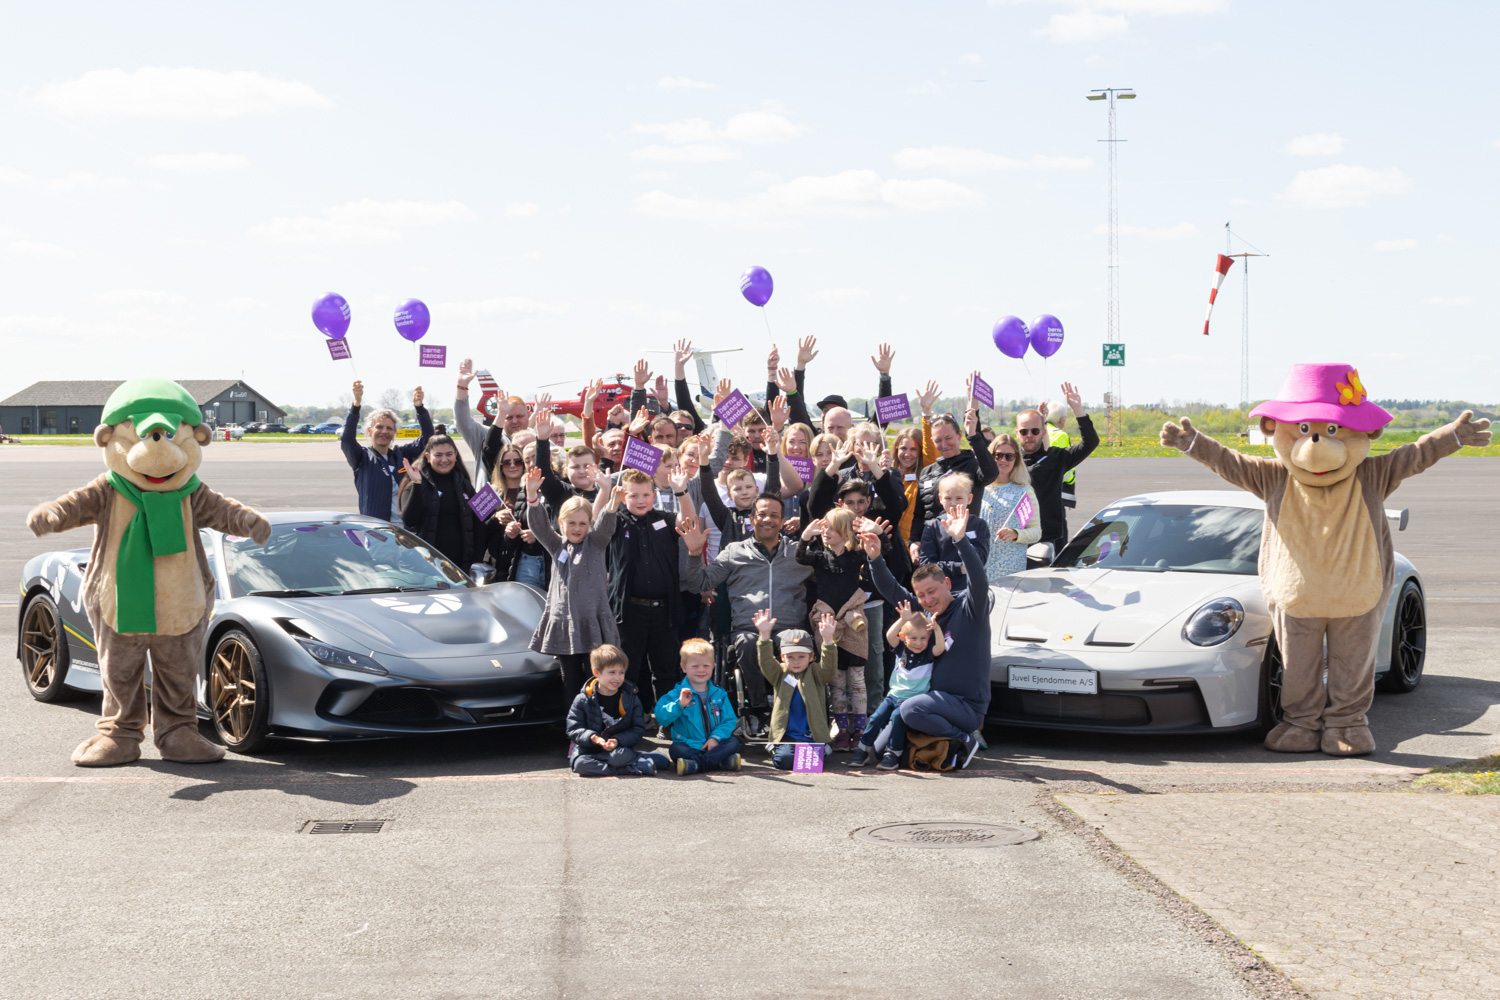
[{"x": 849, "y": 605}]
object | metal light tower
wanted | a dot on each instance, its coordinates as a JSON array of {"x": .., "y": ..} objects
[
  {"x": 1244, "y": 259},
  {"x": 1112, "y": 310}
]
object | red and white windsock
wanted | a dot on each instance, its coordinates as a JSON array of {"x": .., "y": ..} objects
[{"x": 1221, "y": 268}]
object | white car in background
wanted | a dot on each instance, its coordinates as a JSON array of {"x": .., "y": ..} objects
[{"x": 1151, "y": 620}]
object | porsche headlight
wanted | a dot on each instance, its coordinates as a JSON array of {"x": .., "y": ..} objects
[
  {"x": 1214, "y": 622},
  {"x": 333, "y": 656}
]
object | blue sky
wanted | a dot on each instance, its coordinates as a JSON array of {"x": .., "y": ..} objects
[{"x": 566, "y": 185}]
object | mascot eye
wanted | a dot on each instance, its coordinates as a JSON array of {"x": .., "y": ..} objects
[
  {"x": 1304, "y": 428},
  {"x": 170, "y": 434},
  {"x": 1333, "y": 430}
]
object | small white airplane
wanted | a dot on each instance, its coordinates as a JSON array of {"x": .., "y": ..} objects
[{"x": 708, "y": 375}]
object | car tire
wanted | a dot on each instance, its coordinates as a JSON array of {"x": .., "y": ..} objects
[
  {"x": 1271, "y": 669},
  {"x": 44, "y": 651},
  {"x": 239, "y": 700},
  {"x": 1408, "y": 642}
]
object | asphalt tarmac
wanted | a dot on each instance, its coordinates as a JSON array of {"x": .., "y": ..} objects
[{"x": 502, "y": 875}]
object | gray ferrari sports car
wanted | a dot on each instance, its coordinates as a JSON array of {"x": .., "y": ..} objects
[{"x": 341, "y": 626}]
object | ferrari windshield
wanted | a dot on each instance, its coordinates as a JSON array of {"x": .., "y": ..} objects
[
  {"x": 317, "y": 558},
  {"x": 1160, "y": 537}
]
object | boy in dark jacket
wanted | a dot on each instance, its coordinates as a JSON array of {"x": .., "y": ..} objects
[
  {"x": 645, "y": 584},
  {"x": 606, "y": 721},
  {"x": 955, "y": 491}
]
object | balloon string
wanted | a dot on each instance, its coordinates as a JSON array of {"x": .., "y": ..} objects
[{"x": 763, "y": 316}]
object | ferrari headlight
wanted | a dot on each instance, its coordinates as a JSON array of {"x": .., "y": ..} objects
[
  {"x": 333, "y": 656},
  {"x": 1214, "y": 622}
]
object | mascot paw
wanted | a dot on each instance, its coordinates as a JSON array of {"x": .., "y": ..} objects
[
  {"x": 1287, "y": 738},
  {"x": 185, "y": 746},
  {"x": 1470, "y": 432},
  {"x": 106, "y": 751},
  {"x": 1348, "y": 741},
  {"x": 43, "y": 521},
  {"x": 1178, "y": 436}
]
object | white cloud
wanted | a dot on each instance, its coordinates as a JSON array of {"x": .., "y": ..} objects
[
  {"x": 837, "y": 296},
  {"x": 1317, "y": 144},
  {"x": 760, "y": 128},
  {"x": 9, "y": 176},
  {"x": 82, "y": 180},
  {"x": 1083, "y": 26},
  {"x": 30, "y": 248},
  {"x": 1392, "y": 246},
  {"x": 1456, "y": 300},
  {"x": 196, "y": 163},
  {"x": 366, "y": 221},
  {"x": 1181, "y": 231},
  {"x": 183, "y": 94},
  {"x": 972, "y": 58},
  {"x": 510, "y": 306},
  {"x": 696, "y": 152},
  {"x": 682, "y": 83},
  {"x": 854, "y": 193},
  {"x": 140, "y": 297},
  {"x": 522, "y": 209},
  {"x": 958, "y": 160},
  {"x": 1343, "y": 186},
  {"x": 926, "y": 88}
]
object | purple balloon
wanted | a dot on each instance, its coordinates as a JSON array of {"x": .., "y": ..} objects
[
  {"x": 330, "y": 315},
  {"x": 1046, "y": 335},
  {"x": 1012, "y": 337},
  {"x": 755, "y": 286},
  {"x": 412, "y": 319}
]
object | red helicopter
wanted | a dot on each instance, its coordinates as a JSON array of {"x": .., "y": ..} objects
[{"x": 617, "y": 391}]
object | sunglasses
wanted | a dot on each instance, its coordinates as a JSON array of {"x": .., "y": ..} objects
[
  {"x": 1028, "y": 430},
  {"x": 511, "y": 461},
  {"x": 1005, "y": 456}
]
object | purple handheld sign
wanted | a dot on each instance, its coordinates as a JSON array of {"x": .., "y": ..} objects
[
  {"x": 983, "y": 394},
  {"x": 640, "y": 455},
  {"x": 734, "y": 409},
  {"x": 432, "y": 356},
  {"x": 338, "y": 349},
  {"x": 485, "y": 502},
  {"x": 807, "y": 758},
  {"x": 892, "y": 408},
  {"x": 804, "y": 467}
]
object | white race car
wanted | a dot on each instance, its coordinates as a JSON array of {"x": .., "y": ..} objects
[{"x": 1151, "y": 620}]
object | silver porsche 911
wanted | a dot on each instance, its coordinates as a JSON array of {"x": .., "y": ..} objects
[
  {"x": 1151, "y": 620},
  {"x": 341, "y": 626}
]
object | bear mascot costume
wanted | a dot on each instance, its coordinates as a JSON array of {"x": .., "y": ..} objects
[
  {"x": 1325, "y": 550},
  {"x": 148, "y": 588}
]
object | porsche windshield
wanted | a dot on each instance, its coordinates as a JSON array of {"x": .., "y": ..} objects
[
  {"x": 1162, "y": 537},
  {"x": 317, "y": 558}
]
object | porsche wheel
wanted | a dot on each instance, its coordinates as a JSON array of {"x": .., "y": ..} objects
[
  {"x": 1408, "y": 641},
  {"x": 237, "y": 694},
  {"x": 1271, "y": 671},
  {"x": 44, "y": 651}
]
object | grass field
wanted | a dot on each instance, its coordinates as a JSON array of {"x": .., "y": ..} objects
[{"x": 1470, "y": 777}]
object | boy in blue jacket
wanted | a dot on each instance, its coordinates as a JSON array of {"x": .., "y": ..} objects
[{"x": 698, "y": 714}]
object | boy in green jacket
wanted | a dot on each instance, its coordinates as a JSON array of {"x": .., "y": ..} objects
[{"x": 799, "y": 712}]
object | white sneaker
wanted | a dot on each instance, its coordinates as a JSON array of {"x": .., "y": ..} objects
[{"x": 971, "y": 742}]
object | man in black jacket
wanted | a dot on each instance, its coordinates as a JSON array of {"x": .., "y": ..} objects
[{"x": 1048, "y": 466}]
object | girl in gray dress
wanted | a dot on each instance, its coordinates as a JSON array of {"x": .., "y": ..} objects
[{"x": 577, "y": 619}]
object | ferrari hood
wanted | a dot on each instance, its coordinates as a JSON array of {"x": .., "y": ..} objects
[
  {"x": 1099, "y": 608},
  {"x": 444, "y": 623}
]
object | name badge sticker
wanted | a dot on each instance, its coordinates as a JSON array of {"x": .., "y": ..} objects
[
  {"x": 658, "y": 525},
  {"x": 790, "y": 679},
  {"x": 969, "y": 534},
  {"x": 911, "y": 477}
]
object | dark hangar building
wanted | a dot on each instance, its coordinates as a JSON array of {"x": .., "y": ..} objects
[{"x": 74, "y": 407}]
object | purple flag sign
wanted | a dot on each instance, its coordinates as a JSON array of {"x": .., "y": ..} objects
[
  {"x": 804, "y": 467},
  {"x": 891, "y": 408},
  {"x": 485, "y": 502},
  {"x": 734, "y": 409},
  {"x": 983, "y": 394},
  {"x": 640, "y": 455},
  {"x": 807, "y": 758},
  {"x": 432, "y": 356},
  {"x": 338, "y": 349}
]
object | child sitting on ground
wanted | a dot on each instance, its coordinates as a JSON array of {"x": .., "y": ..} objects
[
  {"x": 607, "y": 721},
  {"x": 917, "y": 641},
  {"x": 698, "y": 716},
  {"x": 798, "y": 713},
  {"x": 838, "y": 565}
]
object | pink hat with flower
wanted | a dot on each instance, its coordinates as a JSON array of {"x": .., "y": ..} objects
[{"x": 1318, "y": 393}]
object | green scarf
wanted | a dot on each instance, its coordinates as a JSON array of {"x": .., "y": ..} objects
[{"x": 155, "y": 530}]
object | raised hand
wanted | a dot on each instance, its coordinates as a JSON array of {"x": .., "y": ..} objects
[
  {"x": 722, "y": 392},
  {"x": 903, "y": 611},
  {"x": 969, "y": 387},
  {"x": 465, "y": 372},
  {"x": 533, "y": 483},
  {"x": 971, "y": 420},
  {"x": 773, "y": 360},
  {"x": 870, "y": 542},
  {"x": 640, "y": 423},
  {"x": 882, "y": 525},
  {"x": 958, "y": 521},
  {"x": 661, "y": 392},
  {"x": 1472, "y": 433},
  {"x": 869, "y": 456},
  {"x": 814, "y": 530},
  {"x": 416, "y": 396},
  {"x": 682, "y": 353},
  {"x": 785, "y": 380},
  {"x": 618, "y": 499},
  {"x": 543, "y": 421},
  {"x": 1073, "y": 399},
  {"x": 927, "y": 397},
  {"x": 763, "y": 622},
  {"x": 828, "y": 627},
  {"x": 693, "y": 532},
  {"x": 619, "y": 412},
  {"x": 1179, "y": 436},
  {"x": 642, "y": 374},
  {"x": 413, "y": 474},
  {"x": 882, "y": 360},
  {"x": 359, "y": 391},
  {"x": 779, "y": 410},
  {"x": 806, "y": 351},
  {"x": 591, "y": 396},
  {"x": 839, "y": 456}
]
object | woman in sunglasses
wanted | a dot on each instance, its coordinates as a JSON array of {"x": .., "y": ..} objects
[{"x": 1009, "y": 506}]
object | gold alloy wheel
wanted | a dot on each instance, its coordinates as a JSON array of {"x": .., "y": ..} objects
[
  {"x": 231, "y": 689},
  {"x": 39, "y": 642}
]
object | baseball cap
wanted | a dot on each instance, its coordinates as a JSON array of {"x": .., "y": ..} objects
[{"x": 796, "y": 638}]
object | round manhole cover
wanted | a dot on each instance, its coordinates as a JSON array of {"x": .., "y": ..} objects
[{"x": 945, "y": 834}]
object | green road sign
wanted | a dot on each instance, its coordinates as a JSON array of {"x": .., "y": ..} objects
[{"x": 1114, "y": 355}]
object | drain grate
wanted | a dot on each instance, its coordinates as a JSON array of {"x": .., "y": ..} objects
[
  {"x": 352, "y": 826},
  {"x": 950, "y": 835}
]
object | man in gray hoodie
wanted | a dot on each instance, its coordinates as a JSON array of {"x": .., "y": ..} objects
[{"x": 763, "y": 575}]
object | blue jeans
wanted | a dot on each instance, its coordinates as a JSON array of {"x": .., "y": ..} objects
[
  {"x": 532, "y": 570},
  {"x": 938, "y": 713},
  {"x": 785, "y": 753},
  {"x": 708, "y": 760},
  {"x": 889, "y": 710},
  {"x": 875, "y": 660},
  {"x": 616, "y": 761}
]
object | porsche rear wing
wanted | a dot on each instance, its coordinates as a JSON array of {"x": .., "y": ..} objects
[{"x": 1401, "y": 517}]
